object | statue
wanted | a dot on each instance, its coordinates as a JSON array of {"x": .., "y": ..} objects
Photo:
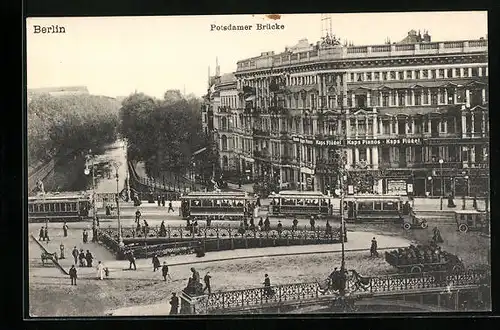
[
  {"x": 194, "y": 287},
  {"x": 451, "y": 203},
  {"x": 39, "y": 187}
]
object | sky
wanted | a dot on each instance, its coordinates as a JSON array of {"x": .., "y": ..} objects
[{"x": 115, "y": 56}]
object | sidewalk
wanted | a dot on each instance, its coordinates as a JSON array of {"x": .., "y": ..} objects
[
  {"x": 244, "y": 187},
  {"x": 434, "y": 204}
]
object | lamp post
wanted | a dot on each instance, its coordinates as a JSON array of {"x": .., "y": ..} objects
[
  {"x": 87, "y": 172},
  {"x": 120, "y": 238},
  {"x": 432, "y": 185},
  {"x": 342, "y": 179},
  {"x": 466, "y": 192},
  {"x": 442, "y": 185}
]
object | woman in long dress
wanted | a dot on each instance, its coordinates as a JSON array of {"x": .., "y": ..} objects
[{"x": 100, "y": 271}]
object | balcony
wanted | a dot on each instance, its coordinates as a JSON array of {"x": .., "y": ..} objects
[
  {"x": 260, "y": 133},
  {"x": 262, "y": 155}
]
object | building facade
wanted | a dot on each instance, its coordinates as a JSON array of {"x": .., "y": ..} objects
[{"x": 410, "y": 117}]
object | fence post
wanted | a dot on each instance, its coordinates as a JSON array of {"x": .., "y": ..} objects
[
  {"x": 217, "y": 232},
  {"x": 231, "y": 237}
]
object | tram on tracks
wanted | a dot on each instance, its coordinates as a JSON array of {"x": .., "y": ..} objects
[
  {"x": 377, "y": 209},
  {"x": 300, "y": 203},
  {"x": 59, "y": 207},
  {"x": 217, "y": 205}
]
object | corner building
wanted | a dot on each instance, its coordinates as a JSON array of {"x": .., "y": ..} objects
[{"x": 411, "y": 117}]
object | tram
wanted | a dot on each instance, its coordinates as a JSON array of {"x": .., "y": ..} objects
[
  {"x": 376, "y": 209},
  {"x": 59, "y": 207},
  {"x": 216, "y": 205},
  {"x": 300, "y": 203}
]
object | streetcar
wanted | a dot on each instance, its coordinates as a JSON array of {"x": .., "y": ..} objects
[
  {"x": 217, "y": 205},
  {"x": 472, "y": 220},
  {"x": 376, "y": 209},
  {"x": 59, "y": 207},
  {"x": 300, "y": 203}
]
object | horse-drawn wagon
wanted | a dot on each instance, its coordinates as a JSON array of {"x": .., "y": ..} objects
[{"x": 417, "y": 259}]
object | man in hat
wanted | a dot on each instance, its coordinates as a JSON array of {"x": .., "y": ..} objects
[
  {"x": 164, "y": 271},
  {"x": 89, "y": 258},
  {"x": 174, "y": 304},
  {"x": 131, "y": 259},
  {"x": 75, "y": 254},
  {"x": 206, "y": 279},
  {"x": 156, "y": 263},
  {"x": 373, "y": 248},
  {"x": 72, "y": 274},
  {"x": 41, "y": 236},
  {"x": 46, "y": 234}
]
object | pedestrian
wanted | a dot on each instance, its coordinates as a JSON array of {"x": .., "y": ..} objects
[
  {"x": 163, "y": 200},
  {"x": 163, "y": 230},
  {"x": 170, "y": 208},
  {"x": 72, "y": 274},
  {"x": 81, "y": 257},
  {"x": 89, "y": 258},
  {"x": 41, "y": 236},
  {"x": 206, "y": 279},
  {"x": 46, "y": 234},
  {"x": 156, "y": 263},
  {"x": 137, "y": 216},
  {"x": 267, "y": 224},
  {"x": 131, "y": 259},
  {"x": 174, "y": 304},
  {"x": 260, "y": 225},
  {"x": 65, "y": 229},
  {"x": 295, "y": 223},
  {"x": 267, "y": 286},
  {"x": 164, "y": 271},
  {"x": 328, "y": 229},
  {"x": 158, "y": 200},
  {"x": 209, "y": 222},
  {"x": 85, "y": 236},
  {"x": 138, "y": 228},
  {"x": 279, "y": 227},
  {"x": 312, "y": 222},
  {"x": 145, "y": 228},
  {"x": 373, "y": 248},
  {"x": 100, "y": 271},
  {"x": 75, "y": 254},
  {"x": 97, "y": 221}
]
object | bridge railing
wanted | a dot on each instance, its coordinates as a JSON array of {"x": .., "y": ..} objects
[
  {"x": 261, "y": 296},
  {"x": 370, "y": 285}
]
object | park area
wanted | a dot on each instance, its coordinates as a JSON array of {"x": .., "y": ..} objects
[{"x": 51, "y": 294}]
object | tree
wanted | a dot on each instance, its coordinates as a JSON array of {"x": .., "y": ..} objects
[
  {"x": 67, "y": 123},
  {"x": 163, "y": 133}
]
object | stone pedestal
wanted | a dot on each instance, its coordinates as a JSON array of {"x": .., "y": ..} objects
[{"x": 193, "y": 305}]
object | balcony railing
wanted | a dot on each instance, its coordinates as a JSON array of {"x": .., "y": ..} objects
[
  {"x": 261, "y": 154},
  {"x": 259, "y": 132}
]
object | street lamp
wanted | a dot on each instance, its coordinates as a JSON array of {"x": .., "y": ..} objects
[
  {"x": 430, "y": 180},
  {"x": 87, "y": 172},
  {"x": 442, "y": 185},
  {"x": 120, "y": 238},
  {"x": 466, "y": 178}
]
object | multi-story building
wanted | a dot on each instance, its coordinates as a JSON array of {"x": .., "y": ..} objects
[{"x": 411, "y": 117}]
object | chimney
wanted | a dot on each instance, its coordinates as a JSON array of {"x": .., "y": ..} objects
[{"x": 427, "y": 37}]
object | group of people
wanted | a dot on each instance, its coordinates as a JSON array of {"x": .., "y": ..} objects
[
  {"x": 85, "y": 259},
  {"x": 101, "y": 272},
  {"x": 157, "y": 265},
  {"x": 419, "y": 254}
]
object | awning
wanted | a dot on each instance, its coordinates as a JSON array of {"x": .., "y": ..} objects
[{"x": 250, "y": 98}]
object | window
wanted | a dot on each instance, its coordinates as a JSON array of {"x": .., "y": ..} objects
[
  {"x": 408, "y": 74},
  {"x": 441, "y": 73},
  {"x": 433, "y": 74},
  {"x": 386, "y": 128},
  {"x": 384, "y": 75},
  {"x": 434, "y": 98},
  {"x": 417, "y": 74},
  {"x": 385, "y": 155},
  {"x": 425, "y": 125},
  {"x": 377, "y": 75},
  {"x": 475, "y": 72},
  {"x": 425, "y": 74},
  {"x": 426, "y": 97},
  {"x": 385, "y": 99},
  {"x": 443, "y": 126},
  {"x": 368, "y": 76},
  {"x": 418, "y": 97},
  {"x": 393, "y": 97},
  {"x": 360, "y": 76},
  {"x": 441, "y": 96},
  {"x": 402, "y": 97},
  {"x": 410, "y": 127},
  {"x": 375, "y": 99},
  {"x": 362, "y": 154},
  {"x": 393, "y": 75},
  {"x": 401, "y": 75},
  {"x": 352, "y": 77},
  {"x": 450, "y": 73},
  {"x": 451, "y": 125},
  {"x": 466, "y": 72},
  {"x": 418, "y": 125},
  {"x": 457, "y": 72}
]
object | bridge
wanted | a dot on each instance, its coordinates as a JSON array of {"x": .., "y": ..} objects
[{"x": 475, "y": 282}]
